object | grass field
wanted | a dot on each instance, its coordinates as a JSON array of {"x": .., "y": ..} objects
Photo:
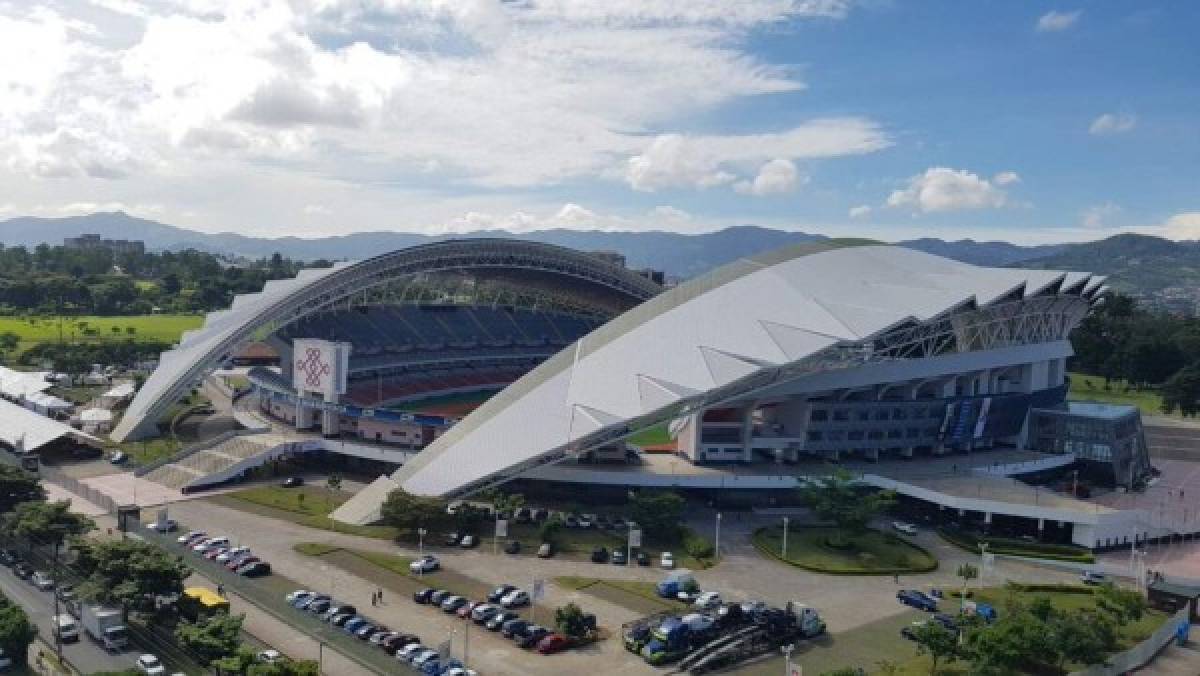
[
  {"x": 638, "y": 596},
  {"x": 33, "y": 330},
  {"x": 1091, "y": 388},
  {"x": 312, "y": 510},
  {"x": 651, "y": 436},
  {"x": 870, "y": 553}
]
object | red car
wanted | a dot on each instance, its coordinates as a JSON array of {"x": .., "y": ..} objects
[
  {"x": 553, "y": 643},
  {"x": 215, "y": 552},
  {"x": 465, "y": 611}
]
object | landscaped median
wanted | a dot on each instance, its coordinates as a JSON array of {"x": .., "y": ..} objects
[
  {"x": 1012, "y": 547},
  {"x": 636, "y": 595},
  {"x": 305, "y": 505},
  {"x": 824, "y": 549}
]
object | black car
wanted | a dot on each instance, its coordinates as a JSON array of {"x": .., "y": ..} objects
[
  {"x": 916, "y": 599},
  {"x": 342, "y": 618},
  {"x": 512, "y": 547},
  {"x": 256, "y": 569},
  {"x": 600, "y": 555},
  {"x": 23, "y": 570},
  {"x": 65, "y": 592},
  {"x": 395, "y": 643},
  {"x": 452, "y": 539},
  {"x": 618, "y": 557},
  {"x": 9, "y": 557},
  {"x": 454, "y": 605},
  {"x": 318, "y": 607},
  {"x": 532, "y": 636},
  {"x": 293, "y": 482},
  {"x": 524, "y": 515},
  {"x": 497, "y": 621},
  {"x": 422, "y": 595},
  {"x": 438, "y": 596},
  {"x": 643, "y": 559},
  {"x": 513, "y": 627}
]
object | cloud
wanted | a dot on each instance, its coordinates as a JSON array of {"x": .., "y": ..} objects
[
  {"x": 317, "y": 210},
  {"x": 1184, "y": 225},
  {"x": 1112, "y": 123},
  {"x": 860, "y": 211},
  {"x": 945, "y": 189},
  {"x": 678, "y": 161},
  {"x": 1100, "y": 215},
  {"x": 774, "y": 178},
  {"x": 1054, "y": 21},
  {"x": 1006, "y": 178},
  {"x": 670, "y": 214}
]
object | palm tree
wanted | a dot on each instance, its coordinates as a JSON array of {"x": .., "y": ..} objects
[{"x": 967, "y": 572}]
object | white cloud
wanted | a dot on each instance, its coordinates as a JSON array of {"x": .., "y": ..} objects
[
  {"x": 677, "y": 161},
  {"x": 945, "y": 189},
  {"x": 775, "y": 177},
  {"x": 670, "y": 214},
  {"x": 1055, "y": 21},
  {"x": 1184, "y": 225},
  {"x": 1112, "y": 123},
  {"x": 1100, "y": 215},
  {"x": 860, "y": 211},
  {"x": 1006, "y": 178},
  {"x": 317, "y": 210}
]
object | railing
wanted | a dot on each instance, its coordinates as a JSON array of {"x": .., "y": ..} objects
[
  {"x": 73, "y": 485},
  {"x": 191, "y": 449},
  {"x": 1140, "y": 654}
]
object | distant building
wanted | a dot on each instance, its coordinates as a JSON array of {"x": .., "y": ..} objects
[{"x": 91, "y": 242}]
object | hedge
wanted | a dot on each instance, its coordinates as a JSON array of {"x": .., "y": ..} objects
[
  {"x": 770, "y": 551},
  {"x": 1010, "y": 547}
]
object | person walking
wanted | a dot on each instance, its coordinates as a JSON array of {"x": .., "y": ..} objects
[
  {"x": 379, "y": 594},
  {"x": 374, "y": 599}
]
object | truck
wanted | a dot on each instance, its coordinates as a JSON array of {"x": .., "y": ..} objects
[
  {"x": 676, "y": 582},
  {"x": 668, "y": 642},
  {"x": 105, "y": 625}
]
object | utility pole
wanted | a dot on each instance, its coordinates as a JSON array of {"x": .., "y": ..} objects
[
  {"x": 783, "y": 553},
  {"x": 421, "y": 551},
  {"x": 717, "y": 537},
  {"x": 787, "y": 659},
  {"x": 54, "y": 620}
]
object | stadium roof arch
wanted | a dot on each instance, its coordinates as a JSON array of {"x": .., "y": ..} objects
[
  {"x": 741, "y": 329},
  {"x": 201, "y": 351}
]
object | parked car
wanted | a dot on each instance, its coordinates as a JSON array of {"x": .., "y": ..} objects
[
  {"x": 512, "y": 547},
  {"x": 499, "y": 619},
  {"x": 352, "y": 625},
  {"x": 9, "y": 557},
  {"x": 341, "y": 619},
  {"x": 424, "y": 658},
  {"x": 513, "y": 627},
  {"x": 422, "y": 595},
  {"x": 380, "y": 635},
  {"x": 398, "y": 642},
  {"x": 210, "y": 543},
  {"x": 339, "y": 609},
  {"x": 453, "y": 603},
  {"x": 293, "y": 482},
  {"x": 618, "y": 557},
  {"x": 150, "y": 665},
  {"x": 319, "y": 606},
  {"x": 515, "y": 599},
  {"x": 42, "y": 580},
  {"x": 553, "y": 643},
  {"x": 1092, "y": 577},
  {"x": 164, "y": 526},
  {"x": 468, "y": 541},
  {"x": 438, "y": 596},
  {"x": 118, "y": 457},
  {"x": 916, "y": 599},
  {"x": 643, "y": 559},
  {"x": 667, "y": 560},
  {"x": 65, "y": 628},
  {"x": 409, "y": 651},
  {"x": 23, "y": 570},
  {"x": 213, "y": 553},
  {"x": 532, "y": 636},
  {"x": 904, "y": 527},
  {"x": 270, "y": 656},
  {"x": 545, "y": 551},
  {"x": 425, "y": 564},
  {"x": 241, "y": 560},
  {"x": 65, "y": 592},
  {"x": 707, "y": 601},
  {"x": 600, "y": 555},
  {"x": 452, "y": 539},
  {"x": 190, "y": 536},
  {"x": 255, "y": 569},
  {"x": 500, "y": 592},
  {"x": 464, "y": 611},
  {"x": 230, "y": 554}
]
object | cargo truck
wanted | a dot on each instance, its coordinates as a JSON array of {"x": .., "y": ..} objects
[{"x": 105, "y": 626}]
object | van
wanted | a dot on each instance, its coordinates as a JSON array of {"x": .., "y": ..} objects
[
  {"x": 1092, "y": 577},
  {"x": 65, "y": 628},
  {"x": 545, "y": 551}
]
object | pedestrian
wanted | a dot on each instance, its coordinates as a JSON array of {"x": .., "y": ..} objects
[
  {"x": 221, "y": 590},
  {"x": 379, "y": 593},
  {"x": 374, "y": 599},
  {"x": 896, "y": 578}
]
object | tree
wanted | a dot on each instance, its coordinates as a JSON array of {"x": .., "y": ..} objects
[
  {"x": 408, "y": 512},
  {"x": 17, "y": 486},
  {"x": 239, "y": 662},
  {"x": 128, "y": 572},
  {"x": 844, "y": 671},
  {"x": 285, "y": 668},
  {"x": 334, "y": 482},
  {"x": 936, "y": 641},
  {"x": 550, "y": 530},
  {"x": 16, "y": 631},
  {"x": 47, "y": 522},
  {"x": 571, "y": 622},
  {"x": 1182, "y": 391},
  {"x": 967, "y": 572},
  {"x": 212, "y": 638},
  {"x": 658, "y": 514},
  {"x": 836, "y": 499},
  {"x": 1122, "y": 605},
  {"x": 1078, "y": 640}
]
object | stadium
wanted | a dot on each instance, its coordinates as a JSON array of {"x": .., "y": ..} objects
[{"x": 469, "y": 364}]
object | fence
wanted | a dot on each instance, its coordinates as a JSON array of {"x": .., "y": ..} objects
[
  {"x": 73, "y": 485},
  {"x": 1141, "y": 653}
]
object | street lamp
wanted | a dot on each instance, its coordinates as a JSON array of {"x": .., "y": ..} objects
[
  {"x": 421, "y": 551},
  {"x": 787, "y": 658},
  {"x": 717, "y": 537},
  {"x": 783, "y": 553}
]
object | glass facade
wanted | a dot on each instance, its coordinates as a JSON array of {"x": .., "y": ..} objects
[{"x": 1109, "y": 437}]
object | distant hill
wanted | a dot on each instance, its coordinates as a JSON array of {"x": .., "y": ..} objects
[{"x": 1160, "y": 271}]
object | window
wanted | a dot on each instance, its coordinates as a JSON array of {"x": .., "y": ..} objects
[
  {"x": 854, "y": 435},
  {"x": 819, "y": 415},
  {"x": 815, "y": 435},
  {"x": 841, "y": 415},
  {"x": 881, "y": 414}
]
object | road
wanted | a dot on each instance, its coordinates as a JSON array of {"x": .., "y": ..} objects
[{"x": 39, "y": 605}]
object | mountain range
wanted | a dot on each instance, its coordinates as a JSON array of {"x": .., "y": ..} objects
[{"x": 1160, "y": 271}]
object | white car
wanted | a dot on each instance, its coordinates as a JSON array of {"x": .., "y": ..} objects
[
  {"x": 667, "y": 560},
  {"x": 903, "y": 527},
  {"x": 210, "y": 544},
  {"x": 409, "y": 651},
  {"x": 707, "y": 601},
  {"x": 270, "y": 656},
  {"x": 515, "y": 599},
  {"x": 42, "y": 580},
  {"x": 425, "y": 564},
  {"x": 150, "y": 664},
  {"x": 189, "y": 536},
  {"x": 230, "y": 554},
  {"x": 423, "y": 658},
  {"x": 461, "y": 671},
  {"x": 292, "y": 596}
]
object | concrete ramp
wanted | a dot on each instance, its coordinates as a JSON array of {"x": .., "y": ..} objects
[
  {"x": 222, "y": 462},
  {"x": 366, "y": 506}
]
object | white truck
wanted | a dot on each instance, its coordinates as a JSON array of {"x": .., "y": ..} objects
[{"x": 105, "y": 625}]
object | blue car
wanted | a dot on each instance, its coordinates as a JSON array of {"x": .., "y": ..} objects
[
  {"x": 916, "y": 599},
  {"x": 354, "y": 624}
]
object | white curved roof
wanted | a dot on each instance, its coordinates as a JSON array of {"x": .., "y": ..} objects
[{"x": 754, "y": 314}]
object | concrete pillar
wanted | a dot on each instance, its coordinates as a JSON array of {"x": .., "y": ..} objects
[
  {"x": 304, "y": 417},
  {"x": 987, "y": 518},
  {"x": 906, "y": 452},
  {"x": 329, "y": 423},
  {"x": 748, "y": 433},
  {"x": 872, "y": 454},
  {"x": 1041, "y": 526}
]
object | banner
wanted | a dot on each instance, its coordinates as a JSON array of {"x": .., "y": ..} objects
[
  {"x": 539, "y": 589},
  {"x": 501, "y": 528},
  {"x": 635, "y": 537}
]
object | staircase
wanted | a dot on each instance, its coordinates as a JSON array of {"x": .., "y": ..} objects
[{"x": 213, "y": 463}]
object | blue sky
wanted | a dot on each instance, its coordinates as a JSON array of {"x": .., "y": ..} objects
[{"x": 1022, "y": 121}]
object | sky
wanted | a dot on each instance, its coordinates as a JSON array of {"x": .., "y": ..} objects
[{"x": 1020, "y": 121}]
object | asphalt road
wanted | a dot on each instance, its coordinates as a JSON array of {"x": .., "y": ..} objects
[{"x": 39, "y": 605}]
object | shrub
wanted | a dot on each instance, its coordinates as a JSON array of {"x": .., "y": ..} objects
[{"x": 697, "y": 546}]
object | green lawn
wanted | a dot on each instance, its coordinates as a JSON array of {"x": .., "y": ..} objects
[
  {"x": 635, "y": 595},
  {"x": 577, "y": 544},
  {"x": 1091, "y": 388},
  {"x": 312, "y": 510},
  {"x": 1011, "y": 547},
  {"x": 869, "y": 553},
  {"x": 33, "y": 330},
  {"x": 150, "y": 450},
  {"x": 651, "y": 436}
]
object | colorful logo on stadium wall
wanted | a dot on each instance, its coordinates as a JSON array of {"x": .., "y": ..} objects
[{"x": 313, "y": 367}]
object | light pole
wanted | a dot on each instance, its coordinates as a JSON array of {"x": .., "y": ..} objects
[
  {"x": 421, "y": 551},
  {"x": 717, "y": 537},
  {"x": 982, "y": 564},
  {"x": 783, "y": 552},
  {"x": 787, "y": 658}
]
